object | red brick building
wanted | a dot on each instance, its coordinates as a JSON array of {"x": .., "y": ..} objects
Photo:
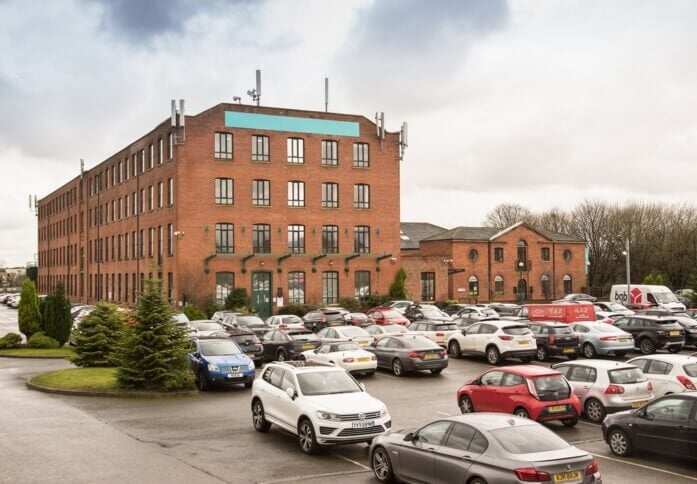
[
  {"x": 519, "y": 263},
  {"x": 296, "y": 206}
]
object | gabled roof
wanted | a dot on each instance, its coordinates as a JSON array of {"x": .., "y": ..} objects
[
  {"x": 411, "y": 233},
  {"x": 490, "y": 233}
]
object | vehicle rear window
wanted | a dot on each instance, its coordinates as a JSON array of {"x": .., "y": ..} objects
[
  {"x": 607, "y": 328},
  {"x": 561, "y": 330},
  {"x": 417, "y": 341},
  {"x": 353, "y": 331},
  {"x": 445, "y": 327},
  {"x": 626, "y": 376},
  {"x": 552, "y": 385},
  {"x": 666, "y": 321},
  {"x": 291, "y": 320},
  {"x": 246, "y": 339},
  {"x": 209, "y": 327},
  {"x": 304, "y": 336},
  {"x": 250, "y": 321},
  {"x": 691, "y": 369},
  {"x": 516, "y": 330},
  {"x": 525, "y": 439}
]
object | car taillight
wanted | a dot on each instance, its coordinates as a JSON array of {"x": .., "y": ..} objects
[
  {"x": 444, "y": 354},
  {"x": 686, "y": 382},
  {"x": 505, "y": 337},
  {"x": 592, "y": 468},
  {"x": 530, "y": 474},
  {"x": 348, "y": 360},
  {"x": 282, "y": 325},
  {"x": 532, "y": 389},
  {"x": 440, "y": 334},
  {"x": 614, "y": 390},
  {"x": 373, "y": 358},
  {"x": 552, "y": 340},
  {"x": 608, "y": 338},
  {"x": 414, "y": 355},
  {"x": 649, "y": 387},
  {"x": 608, "y": 321}
]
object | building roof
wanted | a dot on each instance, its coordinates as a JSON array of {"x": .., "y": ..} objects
[
  {"x": 411, "y": 233},
  {"x": 491, "y": 233}
]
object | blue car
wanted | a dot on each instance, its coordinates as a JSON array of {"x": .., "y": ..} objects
[{"x": 219, "y": 361}]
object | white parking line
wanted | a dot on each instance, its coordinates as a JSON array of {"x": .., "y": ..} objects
[
  {"x": 311, "y": 476},
  {"x": 362, "y": 466},
  {"x": 589, "y": 424},
  {"x": 383, "y": 375},
  {"x": 644, "y": 466}
]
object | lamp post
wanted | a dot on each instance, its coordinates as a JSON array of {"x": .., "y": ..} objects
[
  {"x": 625, "y": 253},
  {"x": 522, "y": 295}
]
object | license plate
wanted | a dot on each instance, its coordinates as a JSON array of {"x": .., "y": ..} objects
[
  {"x": 431, "y": 356},
  {"x": 363, "y": 425},
  {"x": 556, "y": 408},
  {"x": 569, "y": 350},
  {"x": 308, "y": 346},
  {"x": 675, "y": 333},
  {"x": 567, "y": 476},
  {"x": 625, "y": 340},
  {"x": 234, "y": 375},
  {"x": 523, "y": 341},
  {"x": 362, "y": 360},
  {"x": 638, "y": 404}
]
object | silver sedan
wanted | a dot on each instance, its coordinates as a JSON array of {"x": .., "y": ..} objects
[
  {"x": 598, "y": 338},
  {"x": 480, "y": 448}
]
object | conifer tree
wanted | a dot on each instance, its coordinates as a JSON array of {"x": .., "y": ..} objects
[
  {"x": 56, "y": 320},
  {"x": 29, "y": 317},
  {"x": 98, "y": 336}
]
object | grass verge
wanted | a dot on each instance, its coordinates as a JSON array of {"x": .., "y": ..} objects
[
  {"x": 88, "y": 379},
  {"x": 63, "y": 352}
]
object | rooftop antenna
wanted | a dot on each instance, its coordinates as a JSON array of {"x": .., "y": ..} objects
[
  {"x": 178, "y": 121},
  {"x": 326, "y": 94},
  {"x": 255, "y": 94},
  {"x": 403, "y": 140},
  {"x": 237, "y": 99},
  {"x": 82, "y": 168}
]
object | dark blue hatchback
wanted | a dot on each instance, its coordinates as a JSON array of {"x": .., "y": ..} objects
[{"x": 219, "y": 361}]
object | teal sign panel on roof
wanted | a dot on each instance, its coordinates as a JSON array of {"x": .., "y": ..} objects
[{"x": 293, "y": 124}]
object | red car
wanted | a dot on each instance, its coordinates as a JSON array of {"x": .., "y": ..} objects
[
  {"x": 387, "y": 316},
  {"x": 534, "y": 392}
]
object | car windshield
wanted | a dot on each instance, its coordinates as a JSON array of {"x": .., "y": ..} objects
[
  {"x": 418, "y": 341},
  {"x": 665, "y": 297},
  {"x": 517, "y": 330},
  {"x": 626, "y": 376},
  {"x": 391, "y": 314},
  {"x": 209, "y": 327},
  {"x": 431, "y": 313},
  {"x": 613, "y": 306},
  {"x": 525, "y": 439},
  {"x": 690, "y": 369},
  {"x": 352, "y": 331},
  {"x": 666, "y": 321},
  {"x": 393, "y": 329},
  {"x": 250, "y": 321},
  {"x": 346, "y": 347},
  {"x": 219, "y": 348},
  {"x": 561, "y": 330},
  {"x": 445, "y": 327},
  {"x": 326, "y": 383},
  {"x": 304, "y": 336},
  {"x": 606, "y": 328}
]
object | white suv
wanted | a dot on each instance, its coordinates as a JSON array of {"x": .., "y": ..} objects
[
  {"x": 320, "y": 403},
  {"x": 497, "y": 340}
]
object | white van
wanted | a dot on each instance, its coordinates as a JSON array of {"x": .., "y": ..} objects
[{"x": 659, "y": 296}]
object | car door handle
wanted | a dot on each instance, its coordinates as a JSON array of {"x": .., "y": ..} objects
[
  {"x": 430, "y": 449},
  {"x": 467, "y": 457},
  {"x": 586, "y": 388}
]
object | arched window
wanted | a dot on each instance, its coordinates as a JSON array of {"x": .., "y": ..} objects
[
  {"x": 567, "y": 284},
  {"x": 498, "y": 286},
  {"x": 473, "y": 255},
  {"x": 567, "y": 255},
  {"x": 546, "y": 288},
  {"x": 473, "y": 286},
  {"x": 522, "y": 252}
]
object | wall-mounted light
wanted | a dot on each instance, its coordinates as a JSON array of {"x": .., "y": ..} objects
[
  {"x": 331, "y": 262},
  {"x": 261, "y": 263},
  {"x": 179, "y": 234}
]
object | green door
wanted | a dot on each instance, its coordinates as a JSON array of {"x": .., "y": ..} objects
[{"x": 261, "y": 293}]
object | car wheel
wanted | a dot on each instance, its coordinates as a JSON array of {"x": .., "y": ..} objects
[
  {"x": 570, "y": 422},
  {"x": 595, "y": 411},
  {"x": 436, "y": 371},
  {"x": 541, "y": 353},
  {"x": 381, "y": 464},
  {"x": 647, "y": 346},
  {"x": 619, "y": 443},
  {"x": 306, "y": 437},
  {"x": 492, "y": 355},
  {"x": 466, "y": 405},
  {"x": 281, "y": 355},
  {"x": 675, "y": 349},
  {"x": 202, "y": 381},
  {"x": 397, "y": 367},
  {"x": 302, "y": 358},
  {"x": 259, "y": 417},
  {"x": 589, "y": 350},
  {"x": 521, "y": 412},
  {"x": 454, "y": 349},
  {"x": 477, "y": 480}
]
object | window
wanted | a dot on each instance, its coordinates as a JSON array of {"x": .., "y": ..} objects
[
  {"x": 151, "y": 241},
  {"x": 361, "y": 157},
  {"x": 224, "y": 243},
  {"x": 498, "y": 254},
  {"x": 433, "y": 433},
  {"x": 330, "y": 239},
  {"x": 296, "y": 194},
  {"x": 224, "y": 284},
  {"x": 223, "y": 146},
  {"x": 567, "y": 284},
  {"x": 224, "y": 191},
  {"x": 261, "y": 193},
  {"x": 260, "y": 148},
  {"x": 170, "y": 237},
  {"x": 330, "y": 195},
  {"x": 151, "y": 197},
  {"x": 296, "y": 239},
  {"x": 428, "y": 286},
  {"x": 135, "y": 203},
  {"x": 151, "y": 156},
  {"x": 160, "y": 197},
  {"x": 142, "y": 161},
  {"x": 362, "y": 284},
  {"x": 330, "y": 287},
  {"x": 296, "y": 288},
  {"x": 498, "y": 286},
  {"x": 261, "y": 238},
  {"x": 160, "y": 151},
  {"x": 567, "y": 255},
  {"x": 473, "y": 255},
  {"x": 170, "y": 148},
  {"x": 473, "y": 286},
  {"x": 671, "y": 408},
  {"x": 544, "y": 255},
  {"x": 330, "y": 153},
  {"x": 170, "y": 192},
  {"x": 522, "y": 251},
  {"x": 546, "y": 288},
  {"x": 361, "y": 196},
  {"x": 296, "y": 150},
  {"x": 361, "y": 239}
]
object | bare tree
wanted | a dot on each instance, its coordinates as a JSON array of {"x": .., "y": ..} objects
[{"x": 506, "y": 214}]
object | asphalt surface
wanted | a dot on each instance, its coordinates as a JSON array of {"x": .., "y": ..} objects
[{"x": 210, "y": 438}]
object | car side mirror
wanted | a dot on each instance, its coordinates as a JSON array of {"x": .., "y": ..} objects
[
  {"x": 409, "y": 437},
  {"x": 197, "y": 355},
  {"x": 290, "y": 391}
]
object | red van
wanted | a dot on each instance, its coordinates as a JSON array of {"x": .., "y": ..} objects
[{"x": 561, "y": 313}]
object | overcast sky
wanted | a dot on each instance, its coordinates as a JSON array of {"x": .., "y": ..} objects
[{"x": 541, "y": 102}]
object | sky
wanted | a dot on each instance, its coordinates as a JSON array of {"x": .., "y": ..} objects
[{"x": 540, "y": 102}]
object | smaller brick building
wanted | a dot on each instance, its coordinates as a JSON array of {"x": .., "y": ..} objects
[{"x": 476, "y": 264}]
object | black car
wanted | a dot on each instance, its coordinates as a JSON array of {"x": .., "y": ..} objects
[
  {"x": 251, "y": 322},
  {"x": 409, "y": 352},
  {"x": 247, "y": 341},
  {"x": 555, "y": 339},
  {"x": 666, "y": 425},
  {"x": 653, "y": 332},
  {"x": 288, "y": 344},
  {"x": 690, "y": 327},
  {"x": 319, "y": 318},
  {"x": 451, "y": 309},
  {"x": 417, "y": 312}
]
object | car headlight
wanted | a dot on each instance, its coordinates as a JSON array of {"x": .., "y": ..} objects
[
  {"x": 326, "y": 415},
  {"x": 213, "y": 367},
  {"x": 383, "y": 411}
]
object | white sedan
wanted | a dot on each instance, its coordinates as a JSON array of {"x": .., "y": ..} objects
[
  {"x": 285, "y": 321},
  {"x": 344, "y": 333},
  {"x": 379, "y": 330},
  {"x": 345, "y": 354}
]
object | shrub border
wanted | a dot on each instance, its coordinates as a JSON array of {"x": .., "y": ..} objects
[{"x": 111, "y": 394}]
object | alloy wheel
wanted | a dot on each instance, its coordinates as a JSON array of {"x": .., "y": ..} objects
[
  {"x": 647, "y": 347},
  {"x": 619, "y": 443},
  {"x": 595, "y": 411},
  {"x": 454, "y": 349},
  {"x": 397, "y": 368},
  {"x": 306, "y": 436},
  {"x": 492, "y": 355},
  {"x": 466, "y": 405},
  {"x": 588, "y": 350},
  {"x": 381, "y": 464}
]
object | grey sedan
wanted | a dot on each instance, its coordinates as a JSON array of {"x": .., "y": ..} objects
[
  {"x": 598, "y": 338},
  {"x": 479, "y": 449},
  {"x": 404, "y": 353}
]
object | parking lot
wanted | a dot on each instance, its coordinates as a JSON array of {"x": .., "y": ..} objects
[{"x": 209, "y": 437}]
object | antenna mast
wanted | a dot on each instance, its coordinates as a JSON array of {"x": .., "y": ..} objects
[
  {"x": 255, "y": 94},
  {"x": 326, "y": 94}
]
